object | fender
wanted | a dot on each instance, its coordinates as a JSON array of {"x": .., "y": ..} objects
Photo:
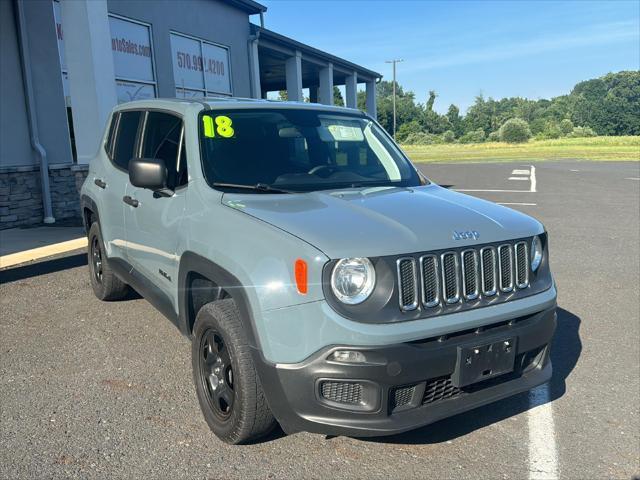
[
  {"x": 193, "y": 263},
  {"x": 267, "y": 373},
  {"x": 87, "y": 202}
]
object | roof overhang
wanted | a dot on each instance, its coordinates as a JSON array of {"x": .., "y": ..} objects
[
  {"x": 248, "y": 6},
  {"x": 288, "y": 47}
]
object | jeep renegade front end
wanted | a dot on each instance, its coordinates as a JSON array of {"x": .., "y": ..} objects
[{"x": 325, "y": 284}]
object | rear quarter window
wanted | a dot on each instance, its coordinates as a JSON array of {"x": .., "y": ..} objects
[
  {"x": 108, "y": 146},
  {"x": 125, "y": 140}
]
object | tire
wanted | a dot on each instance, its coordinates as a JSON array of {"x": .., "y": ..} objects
[
  {"x": 233, "y": 403},
  {"x": 106, "y": 285}
]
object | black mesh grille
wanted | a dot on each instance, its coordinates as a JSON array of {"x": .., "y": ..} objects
[
  {"x": 438, "y": 389},
  {"x": 450, "y": 274},
  {"x": 470, "y": 268},
  {"x": 430, "y": 285},
  {"x": 436, "y": 280},
  {"x": 522, "y": 265},
  {"x": 506, "y": 275},
  {"x": 342, "y": 392},
  {"x": 488, "y": 269},
  {"x": 402, "y": 396},
  {"x": 406, "y": 271}
]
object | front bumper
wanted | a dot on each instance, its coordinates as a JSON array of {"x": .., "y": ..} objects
[{"x": 409, "y": 385}]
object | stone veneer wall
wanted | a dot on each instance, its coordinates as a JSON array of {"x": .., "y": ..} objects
[{"x": 21, "y": 195}]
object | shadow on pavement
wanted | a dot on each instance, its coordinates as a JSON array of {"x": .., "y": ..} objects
[
  {"x": 13, "y": 274},
  {"x": 566, "y": 349},
  {"x": 56, "y": 264}
]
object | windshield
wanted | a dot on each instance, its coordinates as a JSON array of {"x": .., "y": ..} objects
[{"x": 299, "y": 150}]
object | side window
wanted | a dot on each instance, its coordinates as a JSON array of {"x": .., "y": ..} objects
[
  {"x": 163, "y": 139},
  {"x": 108, "y": 146},
  {"x": 126, "y": 138}
]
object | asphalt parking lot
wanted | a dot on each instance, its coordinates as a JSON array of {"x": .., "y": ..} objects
[{"x": 91, "y": 389}]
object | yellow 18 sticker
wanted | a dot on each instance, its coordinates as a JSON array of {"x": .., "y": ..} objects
[{"x": 223, "y": 126}]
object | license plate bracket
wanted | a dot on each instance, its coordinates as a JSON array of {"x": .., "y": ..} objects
[{"x": 484, "y": 361}]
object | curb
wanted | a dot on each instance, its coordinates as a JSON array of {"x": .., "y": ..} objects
[{"x": 42, "y": 252}]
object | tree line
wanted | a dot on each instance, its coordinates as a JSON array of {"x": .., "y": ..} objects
[{"x": 609, "y": 105}]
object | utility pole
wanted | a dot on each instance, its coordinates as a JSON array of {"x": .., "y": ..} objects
[{"x": 393, "y": 62}]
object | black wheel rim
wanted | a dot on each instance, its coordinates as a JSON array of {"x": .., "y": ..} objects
[
  {"x": 96, "y": 259},
  {"x": 216, "y": 374}
]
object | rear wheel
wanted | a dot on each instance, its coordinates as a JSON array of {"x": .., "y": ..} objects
[
  {"x": 227, "y": 385},
  {"x": 106, "y": 285}
]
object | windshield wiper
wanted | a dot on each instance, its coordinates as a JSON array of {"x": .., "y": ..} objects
[{"x": 259, "y": 187}]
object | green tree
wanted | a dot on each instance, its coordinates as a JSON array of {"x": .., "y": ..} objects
[
  {"x": 609, "y": 105},
  {"x": 449, "y": 136},
  {"x": 579, "y": 132},
  {"x": 406, "y": 129},
  {"x": 430, "y": 101},
  {"x": 338, "y": 101},
  {"x": 455, "y": 120},
  {"x": 515, "y": 130},
  {"x": 479, "y": 115},
  {"x": 474, "y": 136},
  {"x": 566, "y": 126},
  {"x": 406, "y": 108},
  {"x": 362, "y": 100},
  {"x": 494, "y": 137},
  {"x": 551, "y": 130}
]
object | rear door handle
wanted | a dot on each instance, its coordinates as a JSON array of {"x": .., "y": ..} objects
[
  {"x": 100, "y": 183},
  {"x": 130, "y": 201}
]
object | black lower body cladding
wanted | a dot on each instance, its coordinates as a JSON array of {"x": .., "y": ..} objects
[{"x": 407, "y": 385}]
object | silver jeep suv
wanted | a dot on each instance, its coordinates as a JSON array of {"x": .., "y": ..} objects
[{"x": 325, "y": 284}]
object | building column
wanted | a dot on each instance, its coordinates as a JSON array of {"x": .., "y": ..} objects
[
  {"x": 293, "y": 67},
  {"x": 325, "y": 91},
  {"x": 254, "y": 59},
  {"x": 371, "y": 98},
  {"x": 313, "y": 94},
  {"x": 87, "y": 42},
  {"x": 351, "y": 91}
]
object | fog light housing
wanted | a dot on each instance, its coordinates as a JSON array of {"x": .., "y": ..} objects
[{"x": 347, "y": 356}]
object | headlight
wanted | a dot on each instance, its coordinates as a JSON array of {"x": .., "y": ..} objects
[
  {"x": 536, "y": 253},
  {"x": 352, "y": 280}
]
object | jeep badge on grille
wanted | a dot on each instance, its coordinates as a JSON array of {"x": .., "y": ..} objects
[{"x": 466, "y": 235}]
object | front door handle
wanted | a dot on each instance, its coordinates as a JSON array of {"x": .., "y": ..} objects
[
  {"x": 130, "y": 201},
  {"x": 100, "y": 183}
]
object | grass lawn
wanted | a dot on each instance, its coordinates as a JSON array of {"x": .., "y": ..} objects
[{"x": 594, "y": 148}]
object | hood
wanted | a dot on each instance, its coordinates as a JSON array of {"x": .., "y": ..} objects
[{"x": 386, "y": 220}]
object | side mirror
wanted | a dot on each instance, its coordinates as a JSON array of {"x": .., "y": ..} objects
[{"x": 148, "y": 173}]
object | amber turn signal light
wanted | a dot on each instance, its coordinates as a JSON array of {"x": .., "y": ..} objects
[{"x": 300, "y": 271}]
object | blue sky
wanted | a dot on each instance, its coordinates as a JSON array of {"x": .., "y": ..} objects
[{"x": 533, "y": 49}]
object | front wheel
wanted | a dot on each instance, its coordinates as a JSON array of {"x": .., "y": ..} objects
[{"x": 227, "y": 385}]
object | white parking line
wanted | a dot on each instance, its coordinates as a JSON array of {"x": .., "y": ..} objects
[
  {"x": 516, "y": 203},
  {"x": 543, "y": 458},
  {"x": 520, "y": 172},
  {"x": 632, "y": 178},
  {"x": 534, "y": 183},
  {"x": 532, "y": 188}
]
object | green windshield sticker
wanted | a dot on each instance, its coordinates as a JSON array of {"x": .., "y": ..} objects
[
  {"x": 223, "y": 126},
  {"x": 207, "y": 123}
]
